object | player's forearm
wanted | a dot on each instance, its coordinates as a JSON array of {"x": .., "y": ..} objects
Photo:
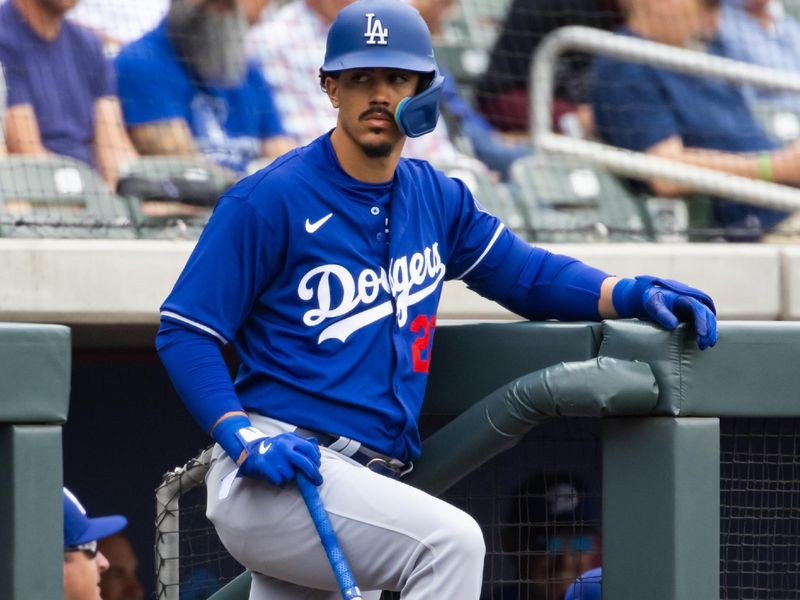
[{"x": 605, "y": 304}]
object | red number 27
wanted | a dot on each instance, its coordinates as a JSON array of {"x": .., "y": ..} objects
[{"x": 422, "y": 344}]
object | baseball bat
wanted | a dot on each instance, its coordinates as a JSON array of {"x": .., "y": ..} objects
[{"x": 344, "y": 577}]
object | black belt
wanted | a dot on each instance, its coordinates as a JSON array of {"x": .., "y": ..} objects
[{"x": 374, "y": 461}]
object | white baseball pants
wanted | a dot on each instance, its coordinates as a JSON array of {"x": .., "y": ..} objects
[{"x": 395, "y": 537}]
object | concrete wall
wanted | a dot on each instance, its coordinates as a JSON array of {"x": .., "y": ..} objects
[{"x": 120, "y": 282}]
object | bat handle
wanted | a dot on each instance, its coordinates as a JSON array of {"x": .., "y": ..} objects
[{"x": 344, "y": 577}]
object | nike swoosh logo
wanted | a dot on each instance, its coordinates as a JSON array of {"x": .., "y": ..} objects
[
  {"x": 263, "y": 448},
  {"x": 312, "y": 227}
]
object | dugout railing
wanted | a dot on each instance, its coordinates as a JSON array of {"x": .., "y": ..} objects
[
  {"x": 700, "y": 496},
  {"x": 638, "y": 165}
]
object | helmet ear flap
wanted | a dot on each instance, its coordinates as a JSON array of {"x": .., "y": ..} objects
[{"x": 418, "y": 114}]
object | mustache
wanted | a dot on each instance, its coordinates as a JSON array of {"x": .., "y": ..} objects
[{"x": 376, "y": 110}]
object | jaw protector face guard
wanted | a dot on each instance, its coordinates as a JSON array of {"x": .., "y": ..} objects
[
  {"x": 388, "y": 34},
  {"x": 417, "y": 115}
]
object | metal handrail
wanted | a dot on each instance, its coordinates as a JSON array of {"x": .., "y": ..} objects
[{"x": 639, "y": 165}]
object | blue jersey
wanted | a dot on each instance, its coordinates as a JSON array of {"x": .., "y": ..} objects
[{"x": 328, "y": 289}]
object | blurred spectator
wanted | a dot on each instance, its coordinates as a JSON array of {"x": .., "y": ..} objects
[
  {"x": 488, "y": 145},
  {"x": 759, "y": 32},
  {"x": 552, "y": 530},
  {"x": 502, "y": 91},
  {"x": 120, "y": 581},
  {"x": 83, "y": 562},
  {"x": 290, "y": 48},
  {"x": 187, "y": 87},
  {"x": 3, "y": 96},
  {"x": 60, "y": 88},
  {"x": 119, "y": 22},
  {"x": 587, "y": 587},
  {"x": 695, "y": 120}
]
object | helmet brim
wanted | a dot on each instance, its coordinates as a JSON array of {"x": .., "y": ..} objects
[{"x": 381, "y": 59}]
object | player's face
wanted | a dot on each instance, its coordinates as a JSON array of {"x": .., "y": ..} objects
[
  {"x": 82, "y": 575},
  {"x": 366, "y": 99}
]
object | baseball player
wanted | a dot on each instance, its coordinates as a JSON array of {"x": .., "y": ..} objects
[{"x": 324, "y": 272}]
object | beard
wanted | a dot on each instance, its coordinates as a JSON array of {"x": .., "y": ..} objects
[
  {"x": 379, "y": 150},
  {"x": 212, "y": 44}
]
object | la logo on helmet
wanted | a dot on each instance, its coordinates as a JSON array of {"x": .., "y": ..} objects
[{"x": 375, "y": 33}]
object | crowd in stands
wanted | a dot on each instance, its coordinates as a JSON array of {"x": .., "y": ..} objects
[{"x": 235, "y": 82}]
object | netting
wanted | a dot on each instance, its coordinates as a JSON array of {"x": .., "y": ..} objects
[
  {"x": 760, "y": 509},
  {"x": 531, "y": 554},
  {"x": 122, "y": 185}
]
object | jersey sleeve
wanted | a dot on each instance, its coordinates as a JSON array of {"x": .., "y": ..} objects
[
  {"x": 631, "y": 110},
  {"x": 472, "y": 230},
  {"x": 233, "y": 262}
]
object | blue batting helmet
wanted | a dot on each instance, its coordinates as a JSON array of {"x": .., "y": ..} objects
[
  {"x": 587, "y": 586},
  {"x": 388, "y": 34}
]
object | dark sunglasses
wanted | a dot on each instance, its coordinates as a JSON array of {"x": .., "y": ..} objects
[{"x": 89, "y": 548}]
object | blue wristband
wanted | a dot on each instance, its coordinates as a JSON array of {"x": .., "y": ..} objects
[
  {"x": 627, "y": 297},
  {"x": 226, "y": 435}
]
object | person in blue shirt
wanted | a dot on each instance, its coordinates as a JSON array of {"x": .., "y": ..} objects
[
  {"x": 187, "y": 87},
  {"x": 698, "y": 121},
  {"x": 60, "y": 89},
  {"x": 324, "y": 270}
]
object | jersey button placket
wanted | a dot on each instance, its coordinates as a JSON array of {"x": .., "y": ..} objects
[{"x": 375, "y": 211}]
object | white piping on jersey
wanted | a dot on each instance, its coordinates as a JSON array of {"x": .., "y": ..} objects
[
  {"x": 497, "y": 233},
  {"x": 200, "y": 326}
]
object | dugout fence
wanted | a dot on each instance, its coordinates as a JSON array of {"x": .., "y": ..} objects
[{"x": 699, "y": 497}]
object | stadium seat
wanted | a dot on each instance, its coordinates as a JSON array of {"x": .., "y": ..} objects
[
  {"x": 566, "y": 200},
  {"x": 58, "y": 197},
  {"x": 494, "y": 196},
  {"x": 172, "y": 196},
  {"x": 482, "y": 20},
  {"x": 465, "y": 62}
]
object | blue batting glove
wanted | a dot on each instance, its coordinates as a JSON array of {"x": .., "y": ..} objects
[
  {"x": 279, "y": 458},
  {"x": 276, "y": 459},
  {"x": 667, "y": 302}
]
